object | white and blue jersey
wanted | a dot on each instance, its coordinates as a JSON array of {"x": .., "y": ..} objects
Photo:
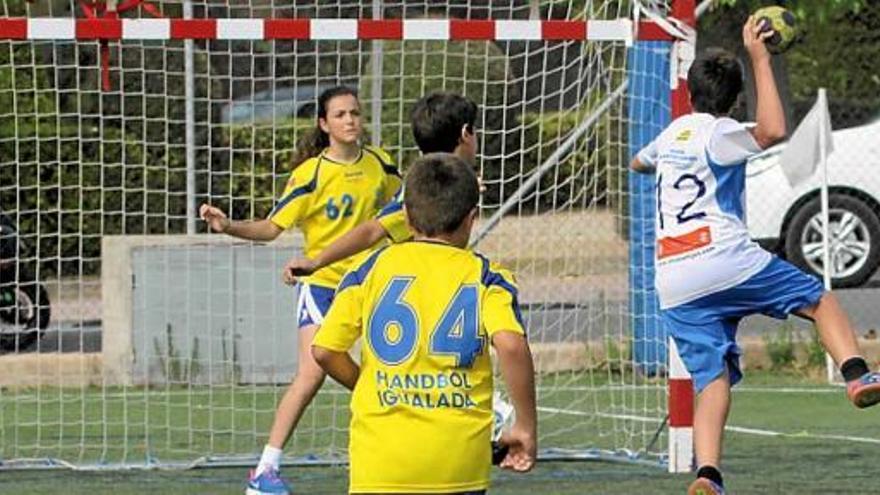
[
  {"x": 709, "y": 273},
  {"x": 703, "y": 245}
]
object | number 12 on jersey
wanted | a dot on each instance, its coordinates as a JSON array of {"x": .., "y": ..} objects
[{"x": 681, "y": 183}]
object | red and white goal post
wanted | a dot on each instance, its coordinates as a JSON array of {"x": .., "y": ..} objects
[{"x": 118, "y": 119}]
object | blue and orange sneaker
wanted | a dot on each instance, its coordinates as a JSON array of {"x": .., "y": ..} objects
[
  {"x": 705, "y": 486},
  {"x": 864, "y": 392},
  {"x": 268, "y": 482}
]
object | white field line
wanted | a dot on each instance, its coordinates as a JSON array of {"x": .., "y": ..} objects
[
  {"x": 269, "y": 389},
  {"x": 736, "y": 429}
]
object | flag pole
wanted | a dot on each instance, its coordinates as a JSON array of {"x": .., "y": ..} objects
[
  {"x": 823, "y": 165},
  {"x": 830, "y": 368}
]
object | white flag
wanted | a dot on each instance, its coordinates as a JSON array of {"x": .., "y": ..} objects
[{"x": 803, "y": 153}]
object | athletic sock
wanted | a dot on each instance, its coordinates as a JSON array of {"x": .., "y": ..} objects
[
  {"x": 853, "y": 368},
  {"x": 271, "y": 458}
]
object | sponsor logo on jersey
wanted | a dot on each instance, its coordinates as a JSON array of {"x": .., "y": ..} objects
[
  {"x": 684, "y": 135},
  {"x": 673, "y": 246}
]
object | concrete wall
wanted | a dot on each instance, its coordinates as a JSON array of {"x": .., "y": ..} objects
[{"x": 200, "y": 309}]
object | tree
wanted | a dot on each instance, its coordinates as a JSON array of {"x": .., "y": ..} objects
[
  {"x": 821, "y": 11},
  {"x": 841, "y": 39}
]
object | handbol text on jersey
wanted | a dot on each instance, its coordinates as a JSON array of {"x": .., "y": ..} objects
[{"x": 423, "y": 381}]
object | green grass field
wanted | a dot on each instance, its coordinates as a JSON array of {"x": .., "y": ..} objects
[{"x": 788, "y": 436}]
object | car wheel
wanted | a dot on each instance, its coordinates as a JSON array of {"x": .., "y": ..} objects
[
  {"x": 24, "y": 309},
  {"x": 855, "y": 239}
]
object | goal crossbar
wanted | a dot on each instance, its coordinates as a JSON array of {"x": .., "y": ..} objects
[{"x": 44, "y": 28}]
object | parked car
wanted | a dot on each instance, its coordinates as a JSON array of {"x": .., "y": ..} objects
[
  {"x": 273, "y": 104},
  {"x": 788, "y": 220}
]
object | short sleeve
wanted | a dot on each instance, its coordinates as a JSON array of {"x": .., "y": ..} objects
[
  {"x": 393, "y": 219},
  {"x": 391, "y": 182},
  {"x": 648, "y": 154},
  {"x": 296, "y": 199},
  {"x": 343, "y": 324},
  {"x": 731, "y": 143},
  {"x": 390, "y": 187},
  {"x": 500, "y": 303},
  {"x": 384, "y": 158}
]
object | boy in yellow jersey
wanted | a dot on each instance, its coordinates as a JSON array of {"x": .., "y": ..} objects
[
  {"x": 427, "y": 311},
  {"x": 441, "y": 122}
]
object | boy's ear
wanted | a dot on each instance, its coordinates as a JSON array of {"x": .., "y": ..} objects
[
  {"x": 472, "y": 216},
  {"x": 466, "y": 133},
  {"x": 467, "y": 224},
  {"x": 408, "y": 222}
]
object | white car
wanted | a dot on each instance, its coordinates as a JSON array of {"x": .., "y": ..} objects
[{"x": 788, "y": 220}]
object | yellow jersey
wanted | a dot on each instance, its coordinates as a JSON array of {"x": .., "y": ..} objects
[
  {"x": 393, "y": 220},
  {"x": 326, "y": 199},
  {"x": 422, "y": 406}
]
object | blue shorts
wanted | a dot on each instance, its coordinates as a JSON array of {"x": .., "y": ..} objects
[
  {"x": 313, "y": 303},
  {"x": 705, "y": 329}
]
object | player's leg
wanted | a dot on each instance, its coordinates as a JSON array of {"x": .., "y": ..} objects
[
  {"x": 785, "y": 289},
  {"x": 839, "y": 339},
  {"x": 705, "y": 334},
  {"x": 308, "y": 380},
  {"x": 710, "y": 416},
  {"x": 312, "y": 305},
  {"x": 835, "y": 330},
  {"x": 781, "y": 289},
  {"x": 309, "y": 377}
]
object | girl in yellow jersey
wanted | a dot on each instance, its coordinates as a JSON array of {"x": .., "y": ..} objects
[{"x": 336, "y": 184}]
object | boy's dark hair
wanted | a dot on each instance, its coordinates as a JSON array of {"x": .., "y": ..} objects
[
  {"x": 437, "y": 120},
  {"x": 715, "y": 81},
  {"x": 441, "y": 191}
]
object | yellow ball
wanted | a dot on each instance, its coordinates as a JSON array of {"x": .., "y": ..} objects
[{"x": 783, "y": 25}]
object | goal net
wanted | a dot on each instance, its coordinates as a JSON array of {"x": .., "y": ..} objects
[{"x": 168, "y": 345}]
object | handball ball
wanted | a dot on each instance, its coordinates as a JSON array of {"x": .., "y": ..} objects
[{"x": 782, "y": 23}]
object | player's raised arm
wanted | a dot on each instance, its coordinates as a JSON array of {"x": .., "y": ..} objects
[
  {"x": 358, "y": 239},
  {"x": 257, "y": 230},
  {"x": 769, "y": 115},
  {"x": 517, "y": 367}
]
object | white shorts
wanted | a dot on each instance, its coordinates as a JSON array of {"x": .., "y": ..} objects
[{"x": 313, "y": 303}]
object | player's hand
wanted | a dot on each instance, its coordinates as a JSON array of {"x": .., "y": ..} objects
[
  {"x": 754, "y": 38},
  {"x": 214, "y": 217},
  {"x": 522, "y": 445},
  {"x": 298, "y": 267}
]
